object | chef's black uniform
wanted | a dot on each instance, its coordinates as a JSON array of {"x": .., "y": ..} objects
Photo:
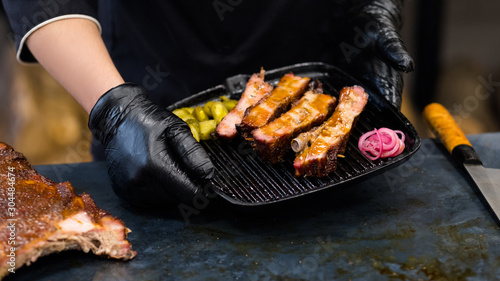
[{"x": 177, "y": 48}]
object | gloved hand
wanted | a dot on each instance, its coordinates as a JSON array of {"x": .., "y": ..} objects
[
  {"x": 152, "y": 156},
  {"x": 371, "y": 48}
]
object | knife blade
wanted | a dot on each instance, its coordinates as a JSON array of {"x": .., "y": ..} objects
[{"x": 487, "y": 180}]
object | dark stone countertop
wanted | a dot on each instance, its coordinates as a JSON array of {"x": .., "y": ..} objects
[{"x": 418, "y": 221}]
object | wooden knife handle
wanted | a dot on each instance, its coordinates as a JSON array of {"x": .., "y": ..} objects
[
  {"x": 444, "y": 126},
  {"x": 449, "y": 133}
]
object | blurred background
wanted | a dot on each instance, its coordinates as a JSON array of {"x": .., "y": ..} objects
[
  {"x": 455, "y": 48},
  {"x": 454, "y": 44}
]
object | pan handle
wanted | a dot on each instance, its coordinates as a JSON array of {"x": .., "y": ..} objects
[
  {"x": 449, "y": 133},
  {"x": 235, "y": 85}
]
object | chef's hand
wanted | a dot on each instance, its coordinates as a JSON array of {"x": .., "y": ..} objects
[
  {"x": 152, "y": 156},
  {"x": 372, "y": 49}
]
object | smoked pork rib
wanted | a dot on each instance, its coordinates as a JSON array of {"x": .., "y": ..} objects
[
  {"x": 272, "y": 141},
  {"x": 289, "y": 89},
  {"x": 39, "y": 217},
  {"x": 255, "y": 89},
  {"x": 318, "y": 157}
]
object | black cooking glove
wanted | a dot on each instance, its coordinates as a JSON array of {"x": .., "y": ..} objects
[
  {"x": 371, "y": 48},
  {"x": 152, "y": 156}
]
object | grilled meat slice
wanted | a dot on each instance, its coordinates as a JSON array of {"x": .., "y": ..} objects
[
  {"x": 289, "y": 89},
  {"x": 46, "y": 217},
  {"x": 318, "y": 158},
  {"x": 272, "y": 141},
  {"x": 255, "y": 89}
]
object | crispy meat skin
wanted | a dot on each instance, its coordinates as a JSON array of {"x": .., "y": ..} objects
[
  {"x": 50, "y": 217},
  {"x": 272, "y": 141},
  {"x": 289, "y": 89},
  {"x": 255, "y": 89},
  {"x": 320, "y": 158}
]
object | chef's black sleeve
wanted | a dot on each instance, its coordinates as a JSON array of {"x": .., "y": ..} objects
[{"x": 26, "y": 16}]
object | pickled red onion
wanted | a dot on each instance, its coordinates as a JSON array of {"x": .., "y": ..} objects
[{"x": 381, "y": 143}]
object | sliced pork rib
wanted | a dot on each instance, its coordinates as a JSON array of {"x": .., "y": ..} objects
[
  {"x": 47, "y": 217},
  {"x": 272, "y": 141},
  {"x": 289, "y": 89},
  {"x": 255, "y": 89},
  {"x": 318, "y": 149}
]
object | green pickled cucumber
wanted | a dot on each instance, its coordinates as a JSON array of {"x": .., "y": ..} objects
[
  {"x": 218, "y": 111},
  {"x": 207, "y": 128}
]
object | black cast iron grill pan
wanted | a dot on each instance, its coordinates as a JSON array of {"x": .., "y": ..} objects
[{"x": 242, "y": 178}]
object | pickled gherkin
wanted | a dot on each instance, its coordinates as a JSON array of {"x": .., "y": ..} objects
[
  {"x": 200, "y": 114},
  {"x": 230, "y": 104},
  {"x": 208, "y": 109},
  {"x": 192, "y": 122},
  {"x": 180, "y": 112},
  {"x": 189, "y": 109},
  {"x": 218, "y": 111},
  {"x": 189, "y": 119},
  {"x": 207, "y": 128},
  {"x": 195, "y": 129},
  {"x": 203, "y": 119}
]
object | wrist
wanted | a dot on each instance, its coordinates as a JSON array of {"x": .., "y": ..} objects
[
  {"x": 98, "y": 90},
  {"x": 73, "y": 52}
]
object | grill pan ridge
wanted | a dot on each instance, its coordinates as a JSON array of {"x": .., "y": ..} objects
[{"x": 242, "y": 178}]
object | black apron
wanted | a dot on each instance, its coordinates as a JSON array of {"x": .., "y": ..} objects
[{"x": 177, "y": 48}]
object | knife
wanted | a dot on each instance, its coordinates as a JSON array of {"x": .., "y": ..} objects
[{"x": 447, "y": 130}]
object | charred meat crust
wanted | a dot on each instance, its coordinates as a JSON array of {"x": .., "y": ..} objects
[
  {"x": 255, "y": 90},
  {"x": 319, "y": 157},
  {"x": 289, "y": 89},
  {"x": 272, "y": 141},
  {"x": 50, "y": 217}
]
